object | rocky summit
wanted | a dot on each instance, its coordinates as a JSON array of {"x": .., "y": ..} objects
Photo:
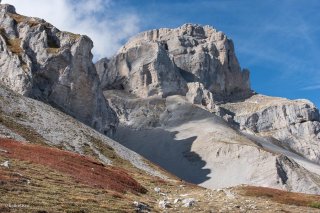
[
  {"x": 39, "y": 61},
  {"x": 172, "y": 110},
  {"x": 189, "y": 59}
]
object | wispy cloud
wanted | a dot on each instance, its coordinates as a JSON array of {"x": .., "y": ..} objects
[
  {"x": 287, "y": 40},
  {"x": 312, "y": 87},
  {"x": 105, "y": 24}
]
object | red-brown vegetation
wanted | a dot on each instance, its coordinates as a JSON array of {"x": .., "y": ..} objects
[
  {"x": 279, "y": 196},
  {"x": 5, "y": 176},
  {"x": 82, "y": 168}
]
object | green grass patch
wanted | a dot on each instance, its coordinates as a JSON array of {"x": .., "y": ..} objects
[{"x": 315, "y": 205}]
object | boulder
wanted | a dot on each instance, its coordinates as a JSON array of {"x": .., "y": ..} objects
[
  {"x": 5, "y": 164},
  {"x": 141, "y": 207},
  {"x": 188, "y": 202},
  {"x": 157, "y": 189},
  {"x": 197, "y": 94},
  {"x": 163, "y": 204}
]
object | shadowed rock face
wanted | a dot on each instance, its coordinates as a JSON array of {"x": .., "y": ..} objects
[
  {"x": 162, "y": 62},
  {"x": 39, "y": 61}
]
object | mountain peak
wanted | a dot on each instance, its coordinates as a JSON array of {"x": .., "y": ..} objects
[
  {"x": 168, "y": 61},
  {"x": 7, "y": 8}
]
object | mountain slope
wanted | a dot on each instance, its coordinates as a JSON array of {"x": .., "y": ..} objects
[
  {"x": 202, "y": 148},
  {"x": 40, "y": 123},
  {"x": 206, "y": 126},
  {"x": 60, "y": 181},
  {"x": 50, "y": 180}
]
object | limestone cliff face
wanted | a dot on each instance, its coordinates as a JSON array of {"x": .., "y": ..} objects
[
  {"x": 39, "y": 61},
  {"x": 164, "y": 61},
  {"x": 144, "y": 69},
  {"x": 294, "y": 124}
]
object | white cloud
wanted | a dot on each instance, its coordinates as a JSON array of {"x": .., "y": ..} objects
[{"x": 98, "y": 19}]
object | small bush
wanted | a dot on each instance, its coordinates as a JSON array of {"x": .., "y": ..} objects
[
  {"x": 13, "y": 43},
  {"x": 18, "y": 18},
  {"x": 117, "y": 195},
  {"x": 279, "y": 196},
  {"x": 315, "y": 205}
]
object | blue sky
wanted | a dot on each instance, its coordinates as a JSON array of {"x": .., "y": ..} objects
[{"x": 277, "y": 40}]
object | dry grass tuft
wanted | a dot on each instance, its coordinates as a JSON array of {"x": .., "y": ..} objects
[
  {"x": 48, "y": 190},
  {"x": 53, "y": 50},
  {"x": 14, "y": 44},
  {"x": 20, "y": 18},
  {"x": 27, "y": 132},
  {"x": 284, "y": 197}
]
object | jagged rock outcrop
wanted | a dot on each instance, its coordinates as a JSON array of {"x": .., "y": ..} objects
[
  {"x": 197, "y": 94},
  {"x": 294, "y": 124},
  {"x": 144, "y": 70},
  {"x": 39, "y": 61},
  {"x": 162, "y": 62}
]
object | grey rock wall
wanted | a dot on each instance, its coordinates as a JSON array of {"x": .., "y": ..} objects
[
  {"x": 39, "y": 61},
  {"x": 295, "y": 124},
  {"x": 163, "y": 61}
]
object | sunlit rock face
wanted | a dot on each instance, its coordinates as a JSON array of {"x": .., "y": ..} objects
[
  {"x": 162, "y": 62},
  {"x": 39, "y": 61},
  {"x": 295, "y": 124}
]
